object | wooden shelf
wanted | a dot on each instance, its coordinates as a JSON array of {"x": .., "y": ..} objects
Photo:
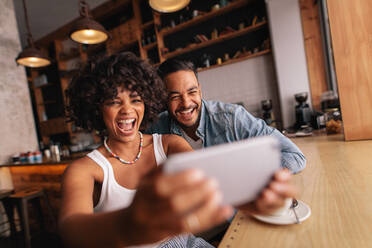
[
  {"x": 69, "y": 56},
  {"x": 205, "y": 17},
  {"x": 123, "y": 46},
  {"x": 46, "y": 85},
  {"x": 150, "y": 46},
  {"x": 156, "y": 65},
  {"x": 241, "y": 58},
  {"x": 53, "y": 126},
  {"x": 47, "y": 102},
  {"x": 215, "y": 41},
  {"x": 94, "y": 48},
  {"x": 147, "y": 24},
  {"x": 68, "y": 73}
]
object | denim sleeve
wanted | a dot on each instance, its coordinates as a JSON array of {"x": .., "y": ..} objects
[{"x": 247, "y": 126}]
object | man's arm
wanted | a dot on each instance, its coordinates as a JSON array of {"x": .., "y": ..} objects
[{"x": 247, "y": 126}]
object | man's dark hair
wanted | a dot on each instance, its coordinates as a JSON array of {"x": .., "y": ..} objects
[
  {"x": 173, "y": 65},
  {"x": 99, "y": 80}
]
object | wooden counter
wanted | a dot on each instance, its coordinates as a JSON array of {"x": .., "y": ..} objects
[
  {"x": 336, "y": 184},
  {"x": 46, "y": 176}
]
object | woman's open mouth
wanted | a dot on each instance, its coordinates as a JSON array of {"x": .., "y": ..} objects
[{"x": 126, "y": 125}]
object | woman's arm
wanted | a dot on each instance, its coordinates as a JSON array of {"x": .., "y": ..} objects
[
  {"x": 78, "y": 225},
  {"x": 163, "y": 206}
]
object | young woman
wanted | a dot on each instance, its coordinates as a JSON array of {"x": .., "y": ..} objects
[{"x": 116, "y": 196}]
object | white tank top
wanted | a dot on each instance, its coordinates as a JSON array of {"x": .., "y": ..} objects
[{"x": 113, "y": 195}]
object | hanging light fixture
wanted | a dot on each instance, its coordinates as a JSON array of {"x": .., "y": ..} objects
[
  {"x": 31, "y": 56},
  {"x": 168, "y": 6},
  {"x": 86, "y": 30}
]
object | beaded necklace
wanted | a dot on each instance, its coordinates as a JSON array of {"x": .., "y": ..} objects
[{"x": 119, "y": 158}]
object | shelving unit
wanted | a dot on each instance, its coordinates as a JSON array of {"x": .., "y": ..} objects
[{"x": 216, "y": 40}]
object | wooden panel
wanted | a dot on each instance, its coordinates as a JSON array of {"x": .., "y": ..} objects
[
  {"x": 314, "y": 50},
  {"x": 48, "y": 177},
  {"x": 159, "y": 36},
  {"x": 123, "y": 35},
  {"x": 351, "y": 29},
  {"x": 53, "y": 126}
]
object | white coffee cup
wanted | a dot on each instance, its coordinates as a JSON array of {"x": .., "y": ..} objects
[{"x": 284, "y": 209}]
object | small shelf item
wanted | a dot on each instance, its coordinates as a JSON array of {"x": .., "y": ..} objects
[{"x": 40, "y": 80}]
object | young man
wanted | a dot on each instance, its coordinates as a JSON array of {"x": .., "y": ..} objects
[{"x": 206, "y": 123}]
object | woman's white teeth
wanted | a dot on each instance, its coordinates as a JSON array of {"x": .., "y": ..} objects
[{"x": 127, "y": 121}]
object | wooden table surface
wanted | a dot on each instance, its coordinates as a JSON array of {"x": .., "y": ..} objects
[{"x": 336, "y": 184}]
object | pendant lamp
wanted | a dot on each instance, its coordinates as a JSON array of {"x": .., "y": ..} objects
[
  {"x": 86, "y": 30},
  {"x": 168, "y": 6},
  {"x": 31, "y": 56}
]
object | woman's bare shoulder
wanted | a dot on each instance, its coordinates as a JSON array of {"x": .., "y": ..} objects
[{"x": 84, "y": 165}]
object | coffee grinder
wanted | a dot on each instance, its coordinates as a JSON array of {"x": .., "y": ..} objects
[
  {"x": 267, "y": 114},
  {"x": 303, "y": 111}
]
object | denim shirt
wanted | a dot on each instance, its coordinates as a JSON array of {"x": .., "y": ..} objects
[{"x": 224, "y": 123}]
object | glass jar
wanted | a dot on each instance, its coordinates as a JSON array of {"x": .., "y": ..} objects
[{"x": 333, "y": 121}]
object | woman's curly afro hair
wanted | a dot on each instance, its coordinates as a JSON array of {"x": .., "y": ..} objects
[{"x": 98, "y": 81}]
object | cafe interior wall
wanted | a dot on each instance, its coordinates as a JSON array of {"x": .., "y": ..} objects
[
  {"x": 289, "y": 54},
  {"x": 17, "y": 132},
  {"x": 247, "y": 82}
]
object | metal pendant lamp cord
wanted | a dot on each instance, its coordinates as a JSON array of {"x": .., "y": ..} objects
[
  {"x": 30, "y": 40},
  {"x": 83, "y": 9}
]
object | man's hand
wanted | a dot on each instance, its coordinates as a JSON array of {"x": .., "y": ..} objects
[{"x": 273, "y": 196}]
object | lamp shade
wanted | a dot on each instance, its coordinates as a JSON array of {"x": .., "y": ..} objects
[
  {"x": 88, "y": 31},
  {"x": 32, "y": 57},
  {"x": 168, "y": 6}
]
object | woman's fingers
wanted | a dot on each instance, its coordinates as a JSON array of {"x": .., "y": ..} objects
[
  {"x": 207, "y": 215},
  {"x": 192, "y": 196},
  {"x": 186, "y": 201}
]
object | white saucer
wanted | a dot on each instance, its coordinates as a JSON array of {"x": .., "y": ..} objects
[{"x": 303, "y": 212}]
